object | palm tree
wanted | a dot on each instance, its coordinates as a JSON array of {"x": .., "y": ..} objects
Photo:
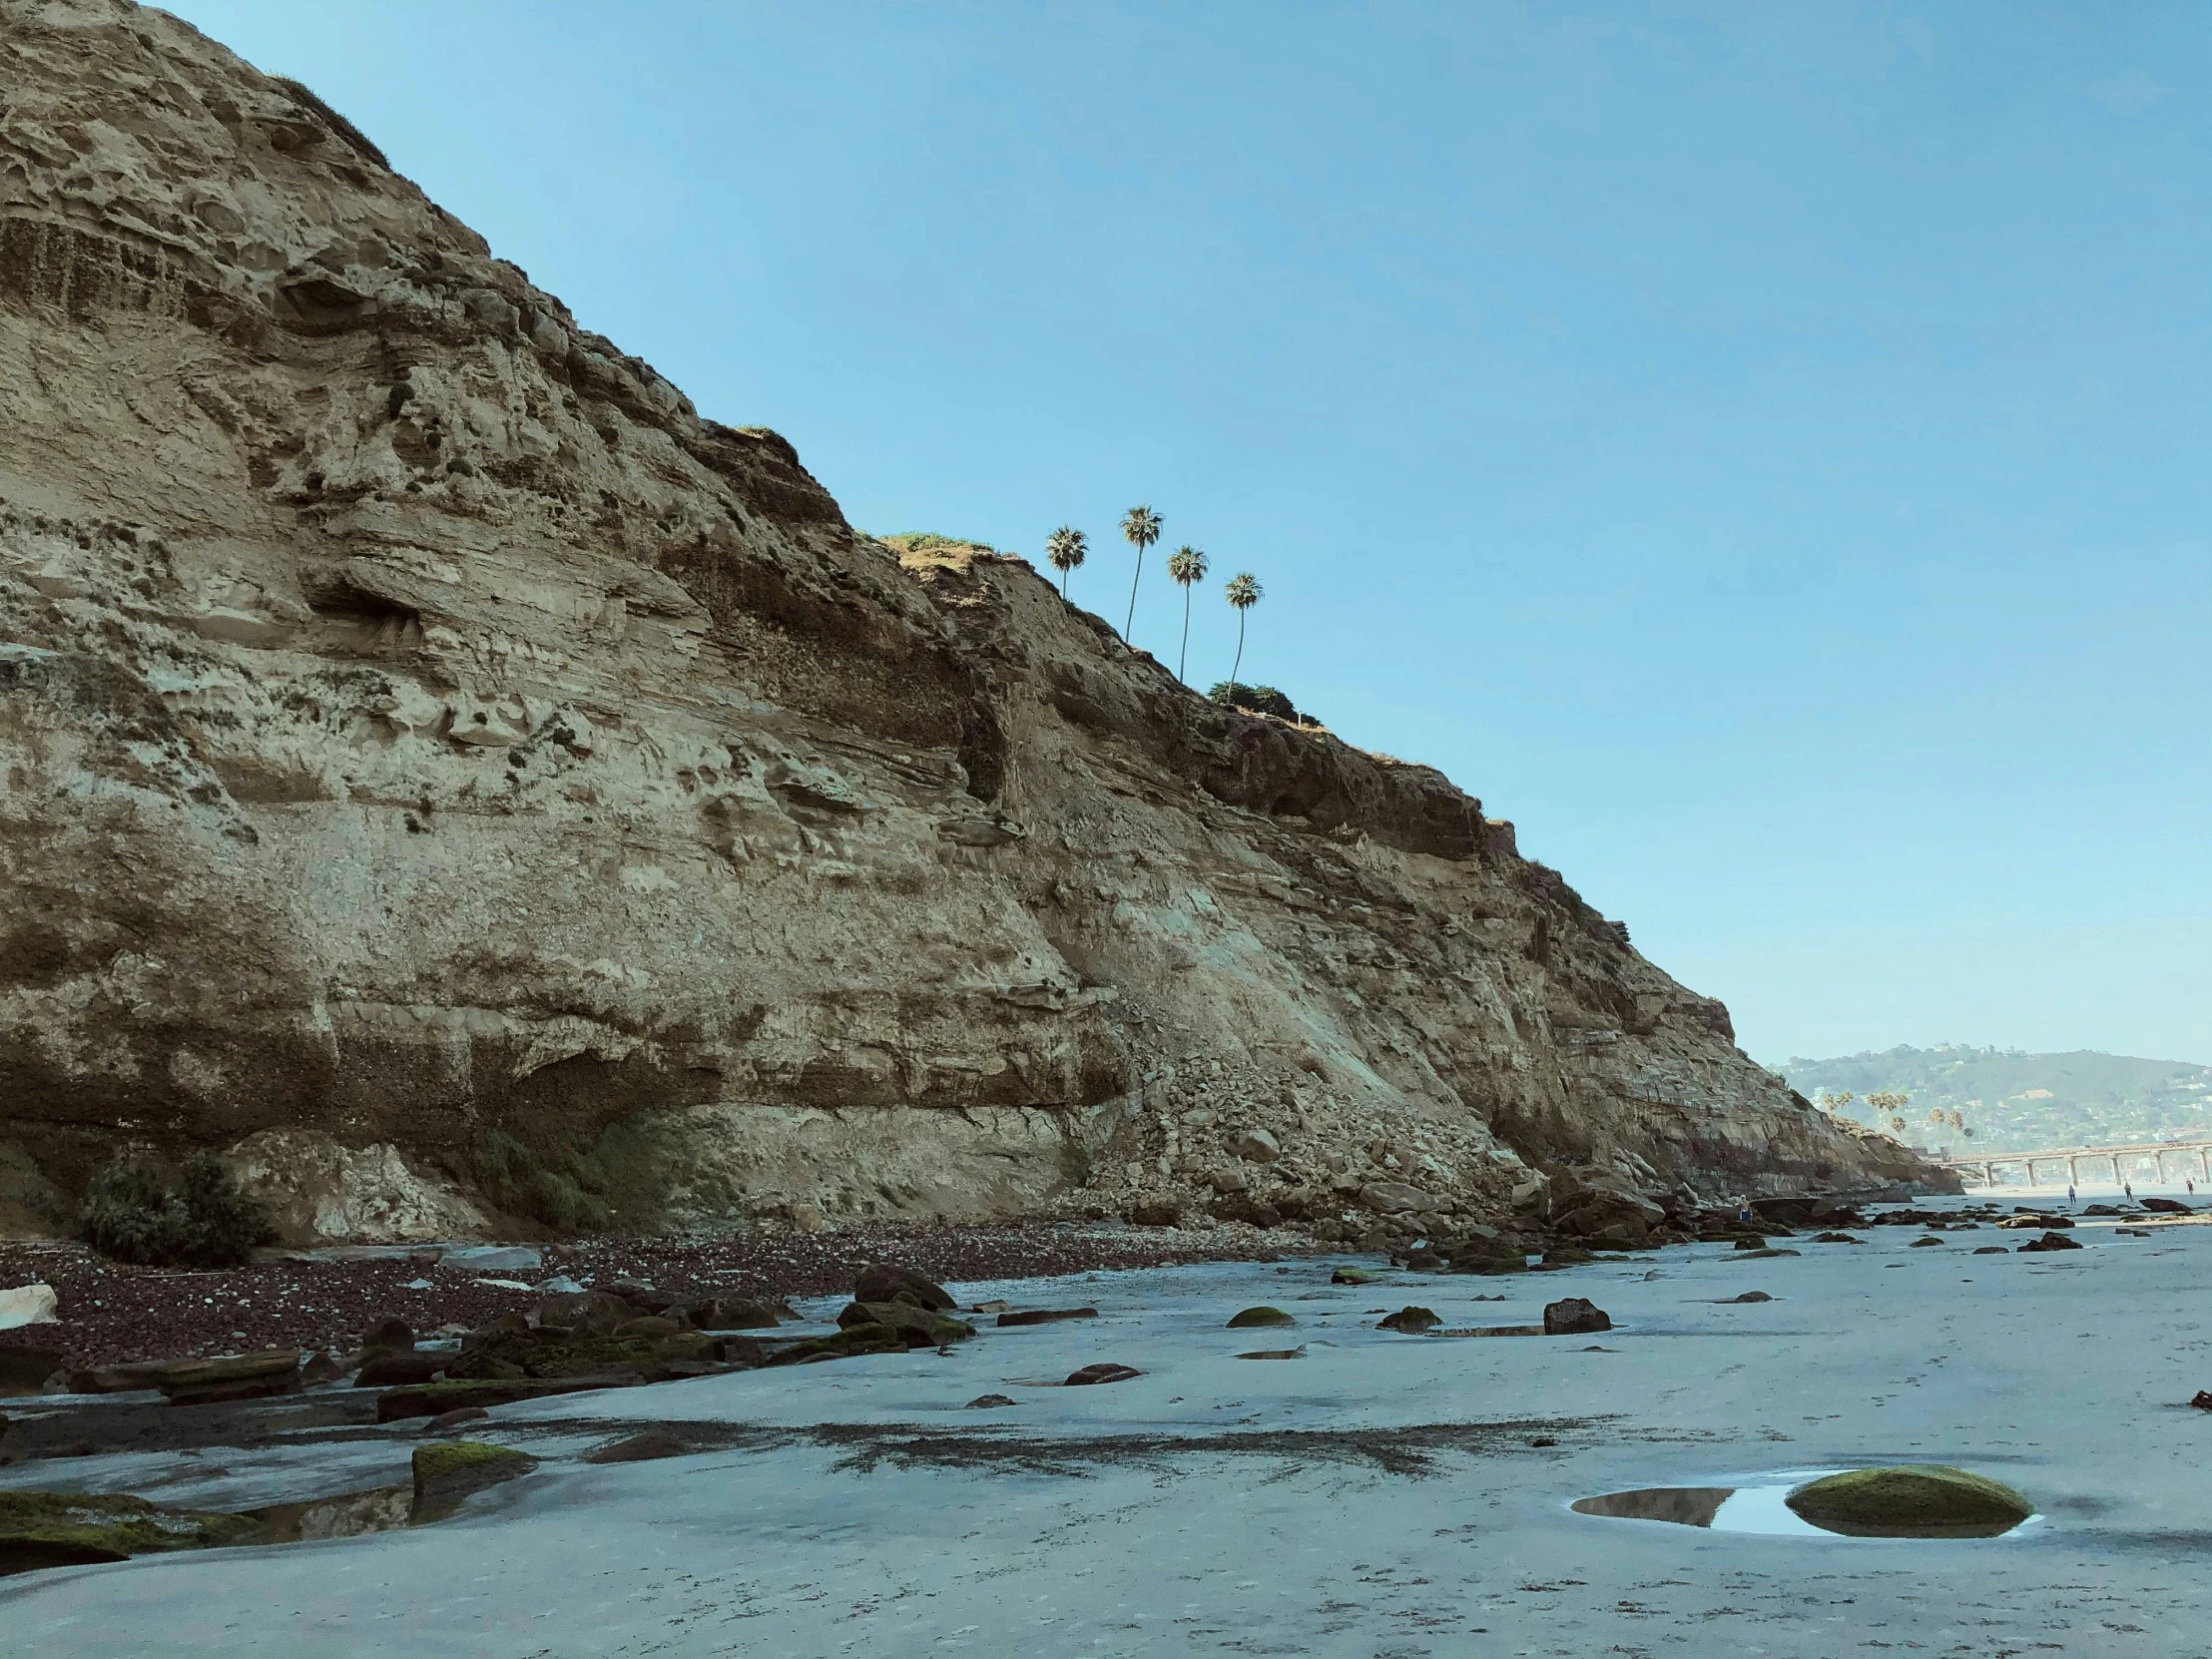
[
  {"x": 1142, "y": 526},
  {"x": 1065, "y": 547},
  {"x": 1243, "y": 592},
  {"x": 1186, "y": 565}
]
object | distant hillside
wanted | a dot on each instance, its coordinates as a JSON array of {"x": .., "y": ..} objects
[{"x": 2019, "y": 1102}]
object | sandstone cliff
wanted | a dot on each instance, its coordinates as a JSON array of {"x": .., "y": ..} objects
[{"x": 443, "y": 769}]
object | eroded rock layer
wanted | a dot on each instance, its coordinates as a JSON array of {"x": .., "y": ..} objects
[{"x": 443, "y": 769}]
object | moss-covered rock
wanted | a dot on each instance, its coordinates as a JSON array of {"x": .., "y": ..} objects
[
  {"x": 1352, "y": 1276},
  {"x": 450, "y": 1470},
  {"x": 917, "y": 1325},
  {"x": 1930, "y": 1501},
  {"x": 1260, "y": 1316},
  {"x": 548, "y": 1354},
  {"x": 850, "y": 1341},
  {"x": 56, "y": 1529}
]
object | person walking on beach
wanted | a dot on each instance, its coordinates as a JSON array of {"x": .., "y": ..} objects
[
  {"x": 2069, "y": 1192},
  {"x": 2127, "y": 1191}
]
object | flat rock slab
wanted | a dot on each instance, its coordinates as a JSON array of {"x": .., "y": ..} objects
[{"x": 1047, "y": 1315}]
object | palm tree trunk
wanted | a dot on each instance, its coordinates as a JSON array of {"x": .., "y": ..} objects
[
  {"x": 1183, "y": 658},
  {"x": 1063, "y": 584},
  {"x": 1125, "y": 627},
  {"x": 1240, "y": 651}
]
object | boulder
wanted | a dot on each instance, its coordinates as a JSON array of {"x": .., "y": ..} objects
[
  {"x": 1748, "y": 1295},
  {"x": 27, "y": 1304},
  {"x": 1614, "y": 1217},
  {"x": 882, "y": 1282},
  {"x": 917, "y": 1327},
  {"x": 394, "y": 1368},
  {"x": 549, "y": 1352},
  {"x": 1156, "y": 1212},
  {"x": 647, "y": 1447},
  {"x": 1258, "y": 1316},
  {"x": 1923, "y": 1243},
  {"x": 1103, "y": 1372},
  {"x": 1256, "y": 1146},
  {"x": 2033, "y": 1219},
  {"x": 2202, "y": 1399},
  {"x": 24, "y": 1370},
  {"x": 387, "y": 1332},
  {"x": 1047, "y": 1315},
  {"x": 1574, "y": 1317},
  {"x": 1410, "y": 1319},
  {"x": 1992, "y": 1250},
  {"x": 644, "y": 1298},
  {"x": 2165, "y": 1206},
  {"x": 1750, "y": 1240},
  {"x": 1567, "y": 1256},
  {"x": 449, "y": 1470},
  {"x": 232, "y": 1377},
  {"x": 1836, "y": 1238},
  {"x": 1932, "y": 1500},
  {"x": 646, "y": 1324},
  {"x": 990, "y": 1403},
  {"x": 1390, "y": 1198},
  {"x": 847, "y": 1343},
  {"x": 1352, "y": 1276},
  {"x": 2051, "y": 1241}
]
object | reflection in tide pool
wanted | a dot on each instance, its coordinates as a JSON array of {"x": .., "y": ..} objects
[{"x": 1763, "y": 1509}]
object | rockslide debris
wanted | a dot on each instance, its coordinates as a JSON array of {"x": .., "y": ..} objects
[{"x": 481, "y": 794}]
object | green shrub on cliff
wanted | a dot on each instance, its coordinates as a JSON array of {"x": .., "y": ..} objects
[
  {"x": 132, "y": 1215},
  {"x": 1260, "y": 700}
]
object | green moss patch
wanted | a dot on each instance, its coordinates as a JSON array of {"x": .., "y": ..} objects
[
  {"x": 1260, "y": 1316},
  {"x": 42, "y": 1529},
  {"x": 1916, "y": 1502}
]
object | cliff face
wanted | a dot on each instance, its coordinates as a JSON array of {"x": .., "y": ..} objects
[{"x": 445, "y": 771}]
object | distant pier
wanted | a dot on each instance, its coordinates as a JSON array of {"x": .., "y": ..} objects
[{"x": 2126, "y": 1162}]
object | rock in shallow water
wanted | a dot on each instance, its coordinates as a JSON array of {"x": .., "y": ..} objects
[
  {"x": 648, "y": 1447},
  {"x": 1575, "y": 1317},
  {"x": 1932, "y": 1500},
  {"x": 1412, "y": 1321},
  {"x": 882, "y": 1282},
  {"x": 1103, "y": 1372},
  {"x": 1260, "y": 1316},
  {"x": 451, "y": 1469}
]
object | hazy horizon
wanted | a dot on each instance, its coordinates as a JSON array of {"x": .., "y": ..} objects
[{"x": 1756, "y": 450}]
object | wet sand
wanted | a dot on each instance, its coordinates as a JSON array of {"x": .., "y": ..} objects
[{"x": 1381, "y": 1495}]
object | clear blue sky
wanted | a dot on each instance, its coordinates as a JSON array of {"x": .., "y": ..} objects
[{"x": 1761, "y": 450}]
